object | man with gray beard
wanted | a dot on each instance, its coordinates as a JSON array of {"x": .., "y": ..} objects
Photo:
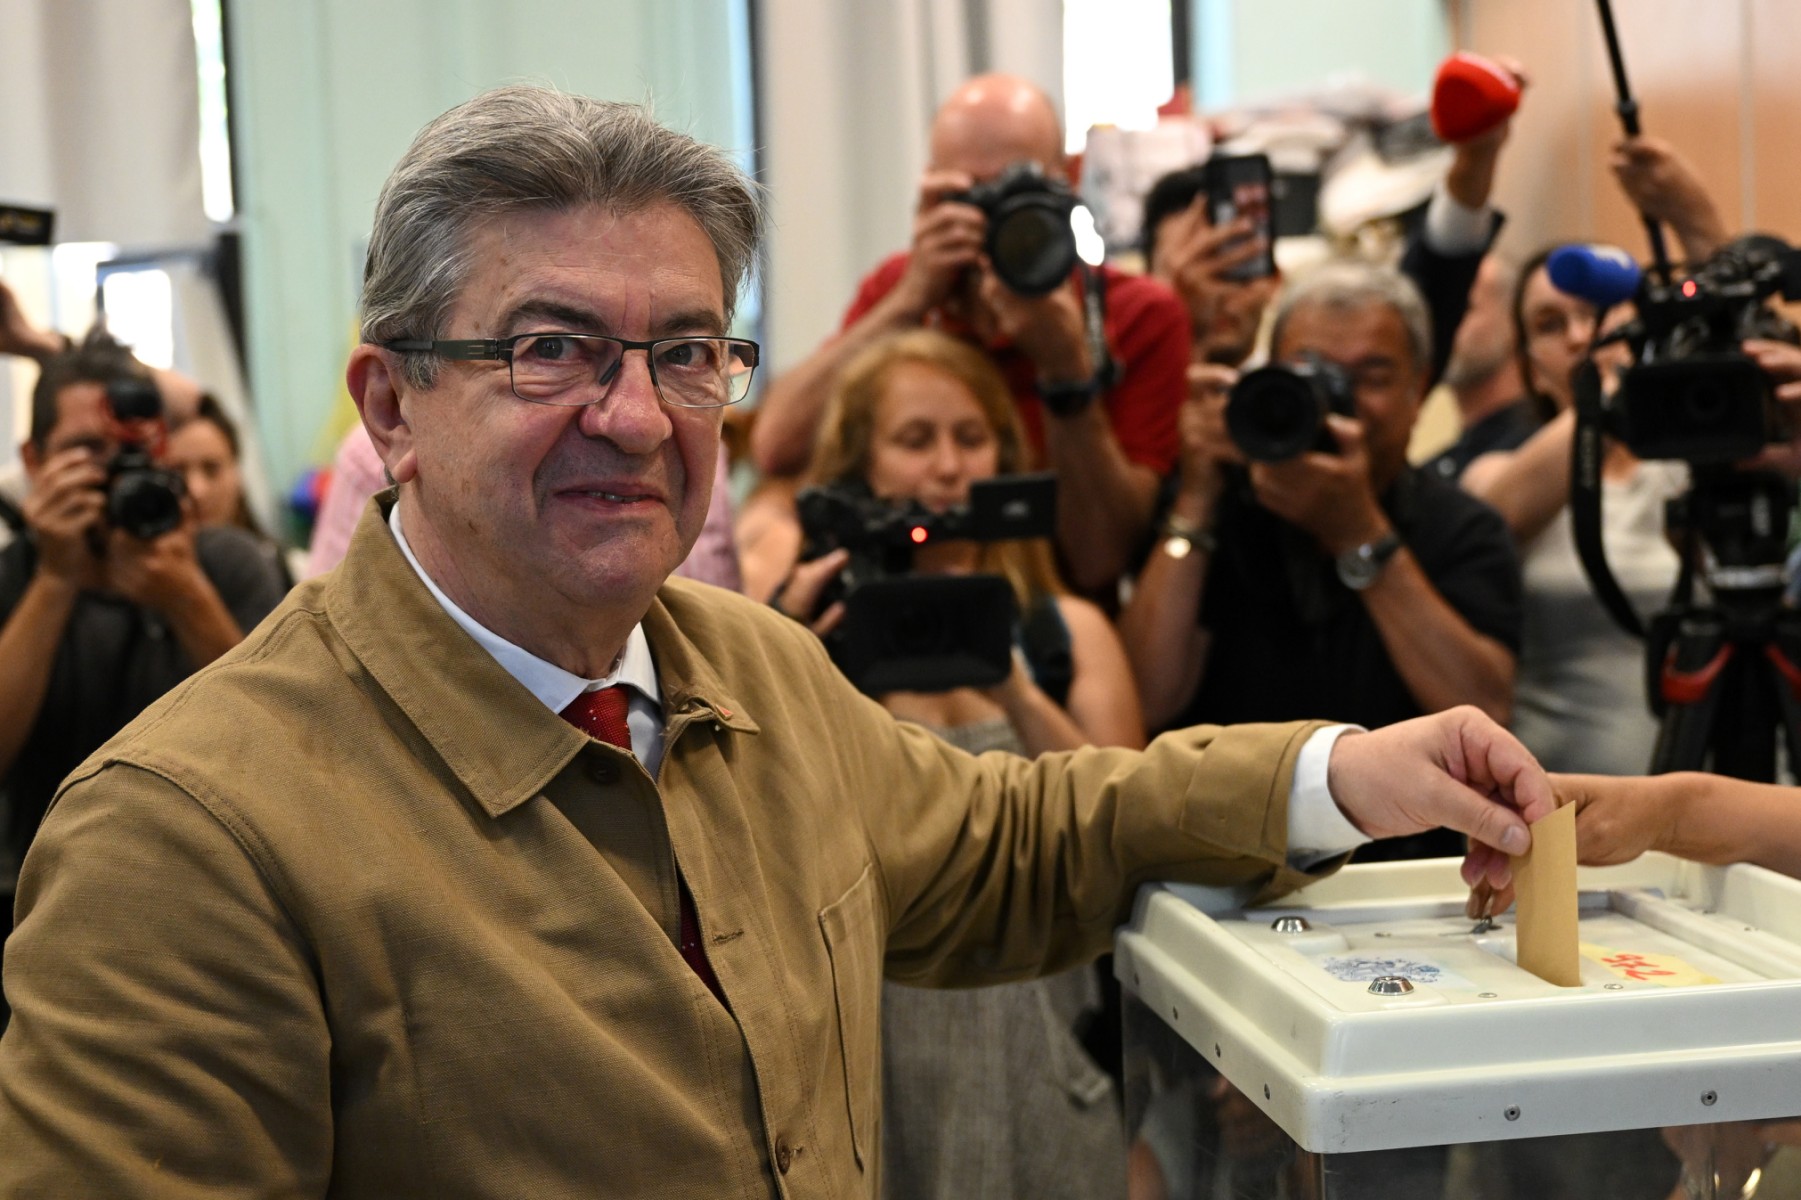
[{"x": 1484, "y": 375}]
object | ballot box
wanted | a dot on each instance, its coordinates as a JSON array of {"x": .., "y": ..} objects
[{"x": 1363, "y": 1038}]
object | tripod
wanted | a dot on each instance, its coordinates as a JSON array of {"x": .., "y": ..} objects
[{"x": 1724, "y": 677}]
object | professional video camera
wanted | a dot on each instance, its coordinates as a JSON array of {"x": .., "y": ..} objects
[
  {"x": 922, "y": 633},
  {"x": 1030, "y": 241},
  {"x": 1723, "y": 664},
  {"x": 1691, "y": 392},
  {"x": 1279, "y": 411},
  {"x": 142, "y": 498}
]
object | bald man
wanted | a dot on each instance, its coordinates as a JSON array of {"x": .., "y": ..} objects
[{"x": 1108, "y": 440}]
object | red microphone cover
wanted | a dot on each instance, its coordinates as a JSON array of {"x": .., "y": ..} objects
[{"x": 1471, "y": 96}]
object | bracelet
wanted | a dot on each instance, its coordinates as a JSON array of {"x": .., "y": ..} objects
[{"x": 1182, "y": 537}]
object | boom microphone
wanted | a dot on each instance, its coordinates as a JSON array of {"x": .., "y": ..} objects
[{"x": 1602, "y": 275}]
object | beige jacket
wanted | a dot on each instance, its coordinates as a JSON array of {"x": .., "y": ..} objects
[{"x": 351, "y": 914}]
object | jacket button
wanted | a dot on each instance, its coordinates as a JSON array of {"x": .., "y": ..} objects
[
  {"x": 784, "y": 1157},
  {"x": 603, "y": 771}
]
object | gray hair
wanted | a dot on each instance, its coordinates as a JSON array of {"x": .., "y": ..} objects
[
  {"x": 1348, "y": 284},
  {"x": 530, "y": 148}
]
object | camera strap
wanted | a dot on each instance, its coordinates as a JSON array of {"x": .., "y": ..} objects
[
  {"x": 1586, "y": 453},
  {"x": 1094, "y": 312}
]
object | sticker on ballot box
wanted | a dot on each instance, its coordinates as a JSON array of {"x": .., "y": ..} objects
[
  {"x": 1361, "y": 968},
  {"x": 1664, "y": 970}
]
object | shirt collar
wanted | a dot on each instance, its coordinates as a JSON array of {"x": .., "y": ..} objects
[{"x": 552, "y": 685}]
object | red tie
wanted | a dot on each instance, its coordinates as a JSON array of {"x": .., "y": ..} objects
[{"x": 601, "y": 715}]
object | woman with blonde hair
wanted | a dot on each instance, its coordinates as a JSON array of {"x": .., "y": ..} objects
[
  {"x": 920, "y": 417},
  {"x": 987, "y": 1092}
]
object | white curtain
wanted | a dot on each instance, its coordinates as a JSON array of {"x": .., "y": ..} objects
[
  {"x": 847, "y": 96},
  {"x": 102, "y": 119}
]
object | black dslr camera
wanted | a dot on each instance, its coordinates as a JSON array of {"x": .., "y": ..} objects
[
  {"x": 142, "y": 498},
  {"x": 1691, "y": 392},
  {"x": 1277, "y": 412},
  {"x": 1030, "y": 241},
  {"x": 922, "y": 633}
]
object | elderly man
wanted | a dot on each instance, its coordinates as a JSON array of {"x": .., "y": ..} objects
[
  {"x": 1108, "y": 429},
  {"x": 495, "y": 864},
  {"x": 1337, "y": 581}
]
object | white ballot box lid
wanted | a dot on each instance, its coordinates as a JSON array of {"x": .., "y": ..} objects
[{"x": 1366, "y": 1012}]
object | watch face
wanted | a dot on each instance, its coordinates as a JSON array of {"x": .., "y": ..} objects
[
  {"x": 1359, "y": 567},
  {"x": 1355, "y": 570}
]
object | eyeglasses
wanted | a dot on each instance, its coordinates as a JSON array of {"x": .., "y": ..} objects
[{"x": 558, "y": 368}]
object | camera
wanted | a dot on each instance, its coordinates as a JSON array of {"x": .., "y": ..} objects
[
  {"x": 1279, "y": 411},
  {"x": 142, "y": 498},
  {"x": 1030, "y": 241},
  {"x": 1691, "y": 393},
  {"x": 922, "y": 633}
]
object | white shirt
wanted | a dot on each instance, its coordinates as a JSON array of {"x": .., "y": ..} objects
[
  {"x": 1317, "y": 830},
  {"x": 554, "y": 686}
]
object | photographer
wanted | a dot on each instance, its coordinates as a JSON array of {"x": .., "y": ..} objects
[
  {"x": 1108, "y": 434},
  {"x": 921, "y": 416},
  {"x": 1580, "y": 702},
  {"x": 1337, "y": 581},
  {"x": 99, "y": 622}
]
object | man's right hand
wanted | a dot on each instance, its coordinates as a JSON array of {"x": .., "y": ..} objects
[
  {"x": 947, "y": 242},
  {"x": 1456, "y": 769},
  {"x": 66, "y": 503}
]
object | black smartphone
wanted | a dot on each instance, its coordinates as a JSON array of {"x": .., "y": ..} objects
[{"x": 1243, "y": 186}]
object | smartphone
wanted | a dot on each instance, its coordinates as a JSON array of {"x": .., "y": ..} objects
[{"x": 1242, "y": 187}]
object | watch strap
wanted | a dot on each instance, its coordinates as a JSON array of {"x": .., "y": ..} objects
[{"x": 1068, "y": 399}]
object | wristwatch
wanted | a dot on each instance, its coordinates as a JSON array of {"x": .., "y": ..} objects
[
  {"x": 1068, "y": 399},
  {"x": 1182, "y": 537},
  {"x": 1360, "y": 566}
]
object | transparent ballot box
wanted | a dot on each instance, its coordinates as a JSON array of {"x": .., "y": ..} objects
[{"x": 1363, "y": 1038}]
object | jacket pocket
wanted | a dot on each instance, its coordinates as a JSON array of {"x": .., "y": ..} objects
[{"x": 853, "y": 939}]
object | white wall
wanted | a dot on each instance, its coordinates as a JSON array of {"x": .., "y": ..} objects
[
  {"x": 1246, "y": 50},
  {"x": 328, "y": 93}
]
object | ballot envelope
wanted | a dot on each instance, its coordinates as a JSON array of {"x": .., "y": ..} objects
[{"x": 1364, "y": 1038}]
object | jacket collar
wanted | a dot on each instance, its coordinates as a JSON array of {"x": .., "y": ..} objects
[{"x": 498, "y": 739}]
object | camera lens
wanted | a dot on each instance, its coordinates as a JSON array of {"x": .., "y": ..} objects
[
  {"x": 1032, "y": 246},
  {"x": 1277, "y": 412},
  {"x": 141, "y": 498}
]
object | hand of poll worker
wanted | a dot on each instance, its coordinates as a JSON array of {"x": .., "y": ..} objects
[
  {"x": 1328, "y": 495},
  {"x": 1457, "y": 769},
  {"x": 1618, "y": 818},
  {"x": 800, "y": 593},
  {"x": 947, "y": 242}
]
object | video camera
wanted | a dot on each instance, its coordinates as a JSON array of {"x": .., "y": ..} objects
[
  {"x": 142, "y": 498},
  {"x": 1279, "y": 411},
  {"x": 1030, "y": 241},
  {"x": 922, "y": 633},
  {"x": 1691, "y": 392},
  {"x": 1720, "y": 664}
]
